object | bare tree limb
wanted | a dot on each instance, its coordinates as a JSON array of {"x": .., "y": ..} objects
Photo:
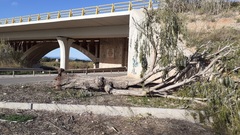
[
  {"x": 218, "y": 52},
  {"x": 213, "y": 62},
  {"x": 197, "y": 100},
  {"x": 156, "y": 70},
  {"x": 235, "y": 69},
  {"x": 186, "y": 81}
]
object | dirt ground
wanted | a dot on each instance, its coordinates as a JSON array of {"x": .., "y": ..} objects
[{"x": 59, "y": 123}]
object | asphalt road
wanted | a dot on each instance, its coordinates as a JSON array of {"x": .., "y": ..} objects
[{"x": 23, "y": 79}]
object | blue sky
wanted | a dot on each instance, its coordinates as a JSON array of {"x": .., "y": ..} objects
[{"x": 13, "y": 8}]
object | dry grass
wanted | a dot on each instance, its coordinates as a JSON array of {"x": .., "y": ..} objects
[{"x": 72, "y": 64}]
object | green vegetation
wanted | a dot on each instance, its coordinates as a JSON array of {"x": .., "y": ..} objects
[
  {"x": 16, "y": 117},
  {"x": 8, "y": 56},
  {"x": 222, "y": 90},
  {"x": 160, "y": 102},
  {"x": 211, "y": 72},
  {"x": 73, "y": 64}
]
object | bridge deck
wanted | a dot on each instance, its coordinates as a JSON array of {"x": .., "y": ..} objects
[{"x": 71, "y": 13}]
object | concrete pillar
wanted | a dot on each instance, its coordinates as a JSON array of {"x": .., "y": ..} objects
[
  {"x": 96, "y": 49},
  {"x": 96, "y": 65},
  {"x": 65, "y": 45}
]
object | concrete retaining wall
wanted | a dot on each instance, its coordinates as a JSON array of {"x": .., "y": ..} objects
[{"x": 179, "y": 114}]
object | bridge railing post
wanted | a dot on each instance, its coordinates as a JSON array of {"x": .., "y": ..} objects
[
  {"x": 83, "y": 12},
  {"x": 29, "y": 19},
  {"x": 130, "y": 6},
  {"x": 38, "y": 17},
  {"x": 150, "y": 4},
  {"x": 48, "y": 16},
  {"x": 59, "y": 15},
  {"x": 97, "y": 10},
  {"x": 20, "y": 20},
  {"x": 113, "y": 8},
  {"x": 70, "y": 13}
]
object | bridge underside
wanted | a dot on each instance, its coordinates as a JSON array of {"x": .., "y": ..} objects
[{"x": 104, "y": 52}]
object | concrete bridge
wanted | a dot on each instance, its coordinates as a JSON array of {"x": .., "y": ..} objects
[{"x": 102, "y": 33}]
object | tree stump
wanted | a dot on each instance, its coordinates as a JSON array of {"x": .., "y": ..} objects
[{"x": 58, "y": 83}]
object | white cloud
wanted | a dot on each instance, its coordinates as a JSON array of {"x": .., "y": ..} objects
[{"x": 14, "y": 3}]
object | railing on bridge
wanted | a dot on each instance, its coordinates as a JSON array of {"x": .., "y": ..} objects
[{"x": 109, "y": 8}]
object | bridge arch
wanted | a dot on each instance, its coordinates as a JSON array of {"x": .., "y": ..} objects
[{"x": 35, "y": 53}]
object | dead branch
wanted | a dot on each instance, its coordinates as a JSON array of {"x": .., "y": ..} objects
[
  {"x": 213, "y": 62},
  {"x": 197, "y": 100},
  {"x": 170, "y": 87},
  {"x": 218, "y": 52},
  {"x": 155, "y": 71},
  {"x": 235, "y": 69}
]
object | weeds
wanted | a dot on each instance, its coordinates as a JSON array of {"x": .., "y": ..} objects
[
  {"x": 71, "y": 93},
  {"x": 16, "y": 117},
  {"x": 72, "y": 64},
  {"x": 201, "y": 6},
  {"x": 158, "y": 102}
]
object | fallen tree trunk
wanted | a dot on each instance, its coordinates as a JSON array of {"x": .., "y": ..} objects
[{"x": 198, "y": 67}]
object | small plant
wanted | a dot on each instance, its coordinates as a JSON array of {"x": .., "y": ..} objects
[{"x": 16, "y": 117}]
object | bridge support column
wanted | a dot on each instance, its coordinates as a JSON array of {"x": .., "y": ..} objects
[
  {"x": 96, "y": 65},
  {"x": 65, "y": 45}
]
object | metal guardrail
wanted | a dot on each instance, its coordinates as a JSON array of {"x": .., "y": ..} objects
[
  {"x": 25, "y": 71},
  {"x": 34, "y": 71},
  {"x": 109, "y": 8},
  {"x": 97, "y": 70}
]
